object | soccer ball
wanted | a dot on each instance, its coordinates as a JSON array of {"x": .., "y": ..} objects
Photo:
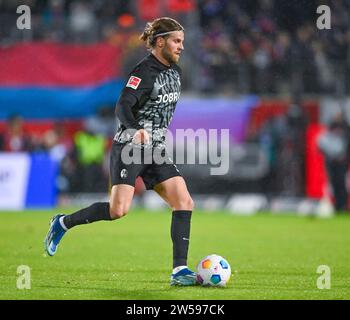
[{"x": 213, "y": 270}]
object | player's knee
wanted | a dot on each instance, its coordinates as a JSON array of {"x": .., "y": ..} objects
[
  {"x": 117, "y": 213},
  {"x": 190, "y": 204},
  {"x": 185, "y": 204}
]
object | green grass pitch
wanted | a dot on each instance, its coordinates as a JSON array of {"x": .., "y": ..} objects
[{"x": 272, "y": 257}]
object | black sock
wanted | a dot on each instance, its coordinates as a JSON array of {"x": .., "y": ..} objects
[
  {"x": 180, "y": 234},
  {"x": 96, "y": 212}
]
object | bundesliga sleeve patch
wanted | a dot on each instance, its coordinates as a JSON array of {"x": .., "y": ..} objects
[{"x": 133, "y": 82}]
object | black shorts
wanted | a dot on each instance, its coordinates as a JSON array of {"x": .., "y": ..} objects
[{"x": 152, "y": 172}]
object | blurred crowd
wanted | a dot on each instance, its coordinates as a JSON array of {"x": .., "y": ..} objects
[
  {"x": 282, "y": 138},
  {"x": 241, "y": 46},
  {"x": 62, "y": 20},
  {"x": 271, "y": 46},
  {"x": 334, "y": 143},
  {"x": 82, "y": 155},
  {"x": 232, "y": 47}
]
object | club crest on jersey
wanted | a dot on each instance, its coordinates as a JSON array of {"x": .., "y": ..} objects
[
  {"x": 124, "y": 174},
  {"x": 133, "y": 82}
]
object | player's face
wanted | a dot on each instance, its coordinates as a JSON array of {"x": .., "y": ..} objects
[{"x": 174, "y": 45}]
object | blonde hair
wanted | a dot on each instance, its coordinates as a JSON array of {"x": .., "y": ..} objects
[{"x": 160, "y": 27}]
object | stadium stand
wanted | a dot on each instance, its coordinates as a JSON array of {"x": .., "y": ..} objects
[{"x": 73, "y": 62}]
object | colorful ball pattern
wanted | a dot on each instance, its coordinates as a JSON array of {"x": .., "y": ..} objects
[{"x": 213, "y": 270}]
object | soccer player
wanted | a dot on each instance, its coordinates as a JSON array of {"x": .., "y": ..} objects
[{"x": 145, "y": 109}]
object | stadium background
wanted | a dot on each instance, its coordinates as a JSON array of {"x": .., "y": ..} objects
[{"x": 259, "y": 68}]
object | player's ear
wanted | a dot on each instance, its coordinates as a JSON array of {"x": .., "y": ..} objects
[{"x": 160, "y": 41}]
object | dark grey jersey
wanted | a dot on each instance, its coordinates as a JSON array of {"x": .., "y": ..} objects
[{"x": 156, "y": 88}]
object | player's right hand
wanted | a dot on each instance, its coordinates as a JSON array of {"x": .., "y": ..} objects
[{"x": 141, "y": 137}]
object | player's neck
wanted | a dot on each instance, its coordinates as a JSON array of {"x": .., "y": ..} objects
[{"x": 160, "y": 58}]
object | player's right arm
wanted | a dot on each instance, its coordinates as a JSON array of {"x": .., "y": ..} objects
[
  {"x": 137, "y": 86},
  {"x": 127, "y": 118}
]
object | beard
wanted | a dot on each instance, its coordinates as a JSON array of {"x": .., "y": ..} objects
[{"x": 166, "y": 53}]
